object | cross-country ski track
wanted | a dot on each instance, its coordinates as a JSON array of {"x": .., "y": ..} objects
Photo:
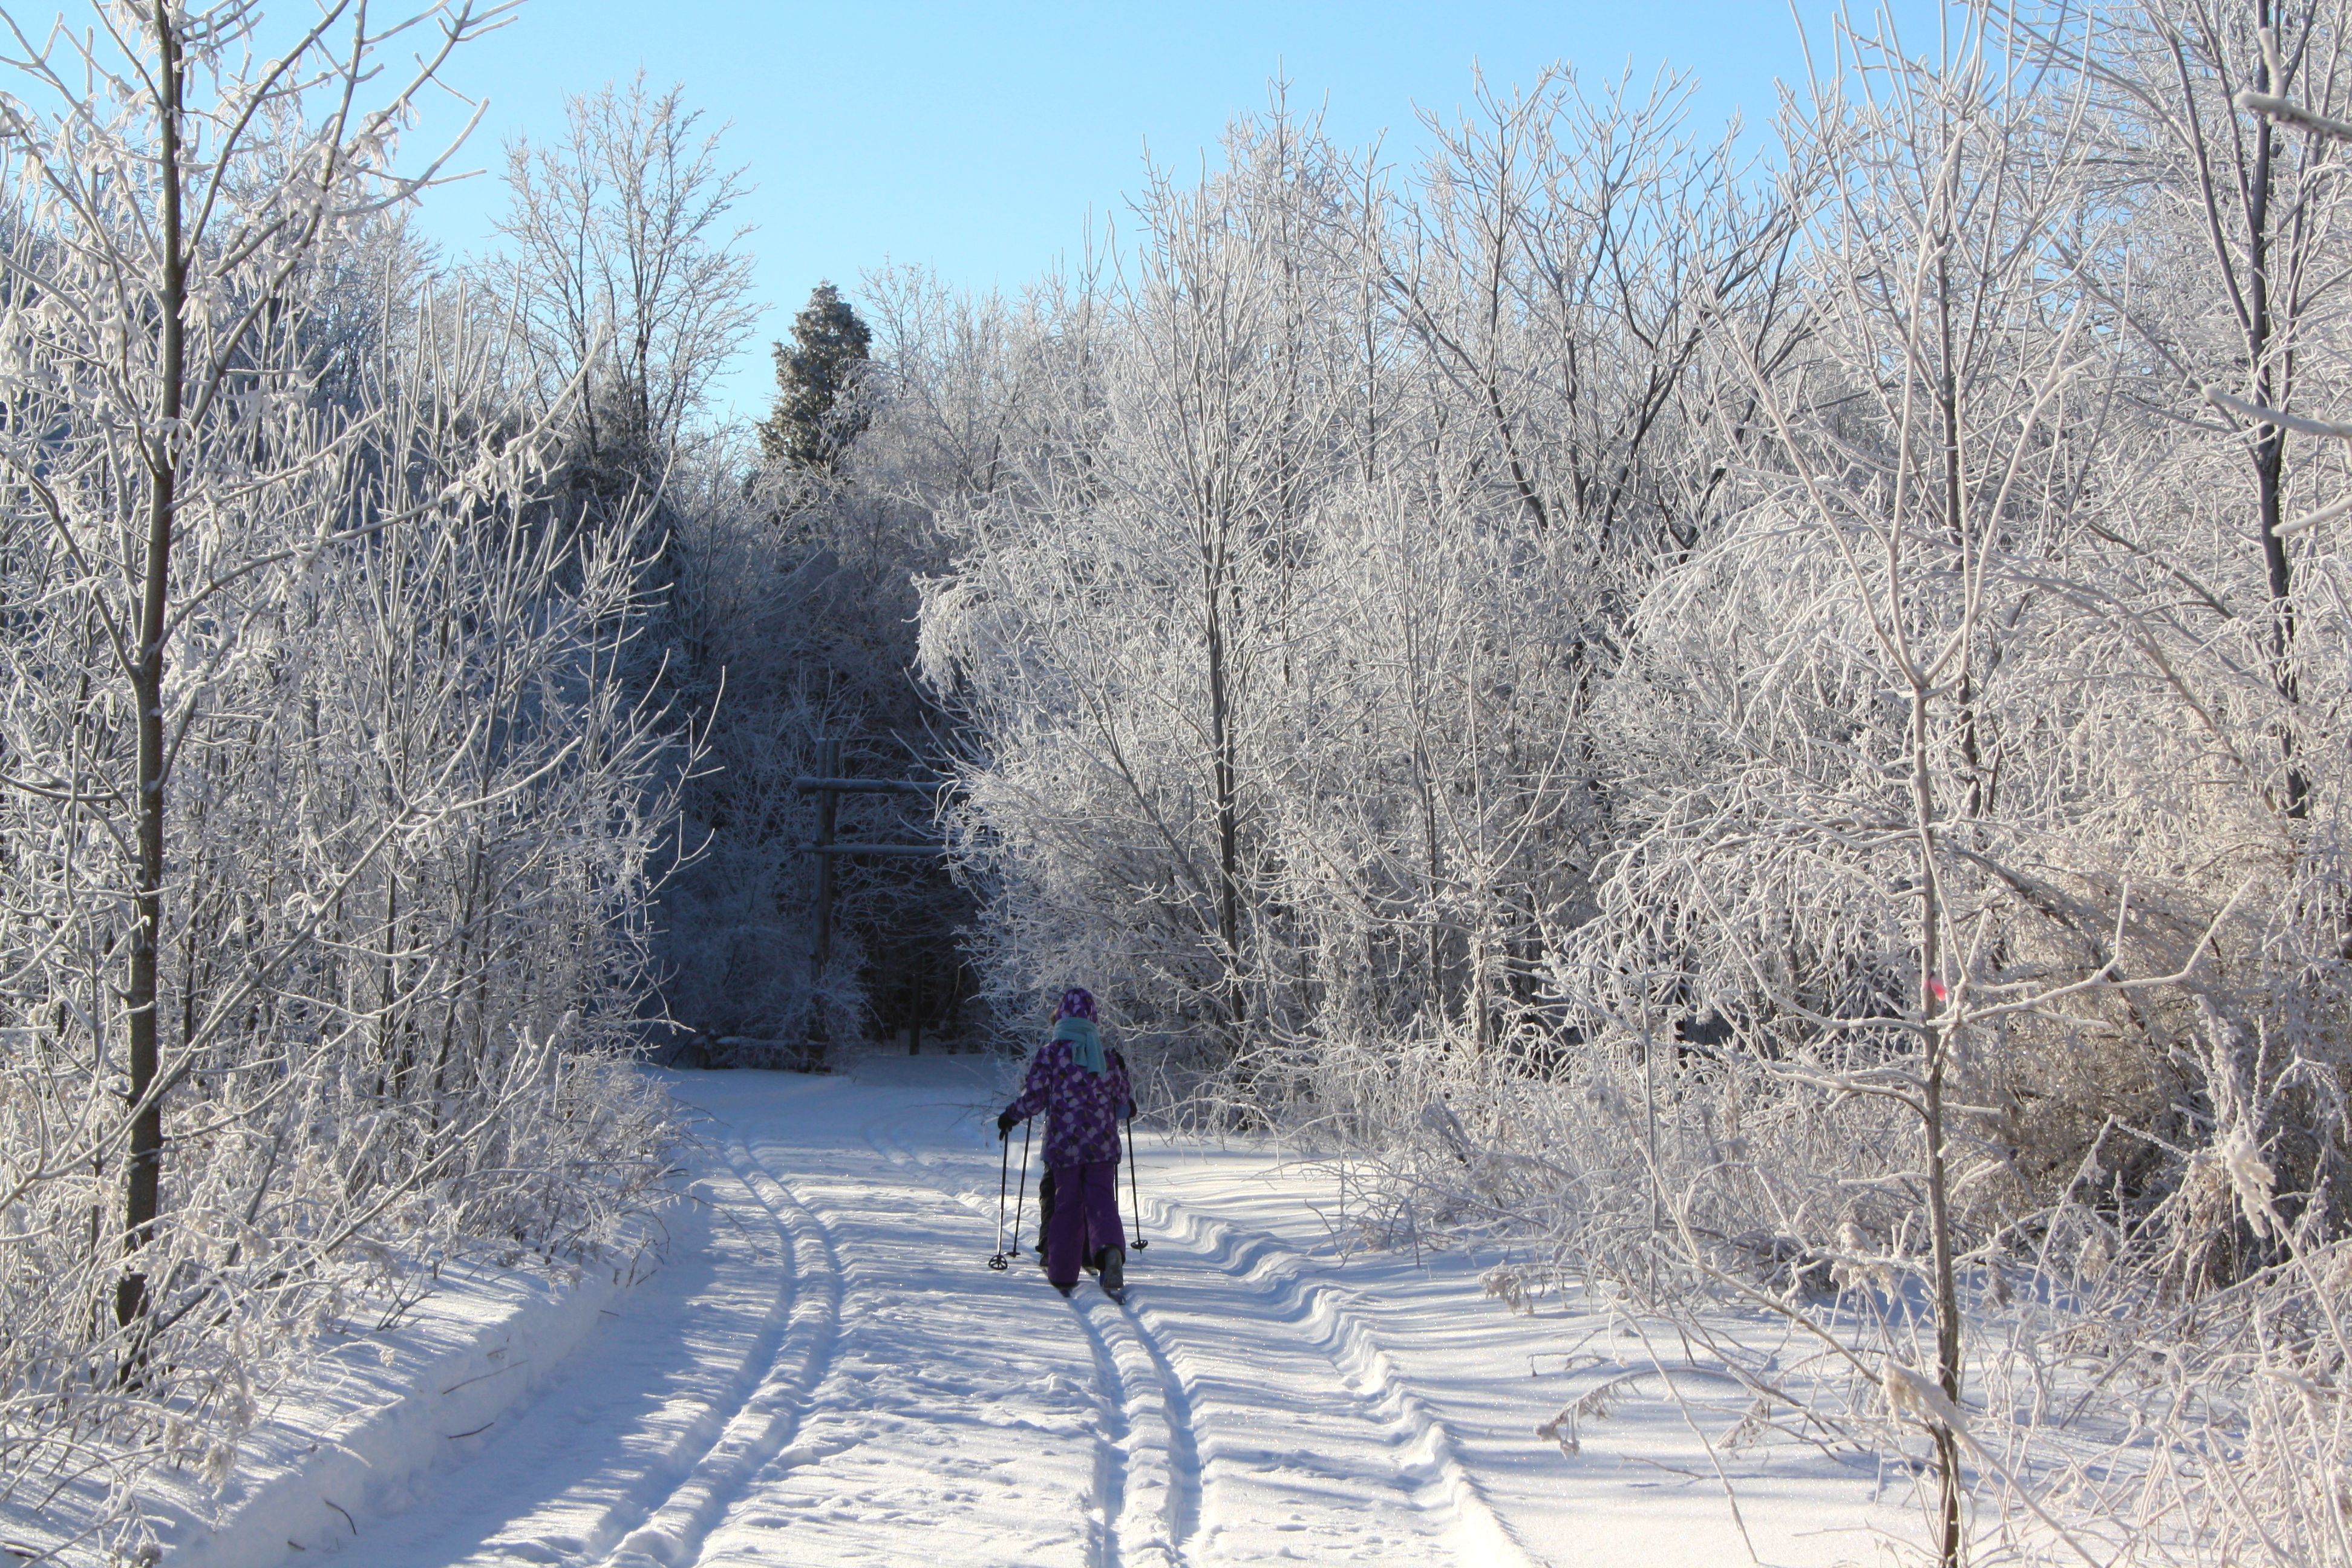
[{"x": 821, "y": 1369}]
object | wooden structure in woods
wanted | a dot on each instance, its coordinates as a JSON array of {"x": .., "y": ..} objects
[{"x": 829, "y": 787}]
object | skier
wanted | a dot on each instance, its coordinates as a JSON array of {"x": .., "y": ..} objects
[{"x": 1083, "y": 1087}]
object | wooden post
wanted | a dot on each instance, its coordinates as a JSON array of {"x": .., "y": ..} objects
[
  {"x": 829, "y": 787},
  {"x": 914, "y": 1009},
  {"x": 828, "y": 802}
]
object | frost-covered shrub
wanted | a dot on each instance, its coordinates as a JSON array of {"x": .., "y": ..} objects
[
  {"x": 325, "y": 815},
  {"x": 1773, "y": 737}
]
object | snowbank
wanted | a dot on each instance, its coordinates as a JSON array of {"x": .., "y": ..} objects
[{"x": 386, "y": 1412}]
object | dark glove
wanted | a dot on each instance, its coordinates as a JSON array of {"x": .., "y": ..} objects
[
  {"x": 1130, "y": 1110},
  {"x": 1005, "y": 1122}
]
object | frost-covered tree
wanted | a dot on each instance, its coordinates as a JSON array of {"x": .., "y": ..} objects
[
  {"x": 629, "y": 278},
  {"x": 817, "y": 414},
  {"x": 325, "y": 820},
  {"x": 1301, "y": 551},
  {"x": 1760, "y": 731}
]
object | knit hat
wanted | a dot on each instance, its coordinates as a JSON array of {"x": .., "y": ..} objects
[{"x": 1078, "y": 1002}]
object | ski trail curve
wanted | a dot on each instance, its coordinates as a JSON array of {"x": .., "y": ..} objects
[
  {"x": 565, "y": 1476},
  {"x": 1110, "y": 1454},
  {"x": 959, "y": 1406},
  {"x": 1153, "y": 1501},
  {"x": 1156, "y": 1504},
  {"x": 1148, "y": 1486},
  {"x": 672, "y": 1534},
  {"x": 1164, "y": 1477},
  {"x": 1331, "y": 1318},
  {"x": 1183, "y": 1420},
  {"x": 825, "y": 1372}
]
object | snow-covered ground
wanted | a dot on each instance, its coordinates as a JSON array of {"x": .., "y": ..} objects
[{"x": 823, "y": 1369}]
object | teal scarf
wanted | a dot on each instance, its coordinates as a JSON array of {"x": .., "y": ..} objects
[{"x": 1086, "y": 1042}]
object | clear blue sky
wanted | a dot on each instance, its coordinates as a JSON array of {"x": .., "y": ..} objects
[{"x": 976, "y": 137}]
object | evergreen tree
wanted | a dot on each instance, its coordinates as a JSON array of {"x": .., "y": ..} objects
[{"x": 812, "y": 426}]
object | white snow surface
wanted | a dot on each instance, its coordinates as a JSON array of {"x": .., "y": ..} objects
[{"x": 823, "y": 1369}]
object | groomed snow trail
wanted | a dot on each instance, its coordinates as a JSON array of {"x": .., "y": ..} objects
[
  {"x": 823, "y": 1371},
  {"x": 1257, "y": 1398}
]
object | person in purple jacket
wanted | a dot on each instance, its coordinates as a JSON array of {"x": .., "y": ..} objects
[{"x": 1082, "y": 1087}]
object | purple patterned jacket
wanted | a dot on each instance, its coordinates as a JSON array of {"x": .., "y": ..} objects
[{"x": 1082, "y": 1124}]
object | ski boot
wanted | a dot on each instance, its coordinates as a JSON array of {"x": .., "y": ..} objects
[{"x": 1113, "y": 1273}]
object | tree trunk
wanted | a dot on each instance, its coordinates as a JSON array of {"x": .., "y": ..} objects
[
  {"x": 2270, "y": 447},
  {"x": 1937, "y": 1042},
  {"x": 143, "y": 1187},
  {"x": 1225, "y": 773}
]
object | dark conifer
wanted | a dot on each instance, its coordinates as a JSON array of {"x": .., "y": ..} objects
[{"x": 816, "y": 419}]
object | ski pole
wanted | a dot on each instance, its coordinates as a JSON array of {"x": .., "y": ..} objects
[
  {"x": 1134, "y": 1184},
  {"x": 1021, "y": 1194},
  {"x": 1003, "y": 1161}
]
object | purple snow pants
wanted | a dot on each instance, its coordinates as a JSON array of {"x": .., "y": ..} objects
[{"x": 1086, "y": 1217}]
